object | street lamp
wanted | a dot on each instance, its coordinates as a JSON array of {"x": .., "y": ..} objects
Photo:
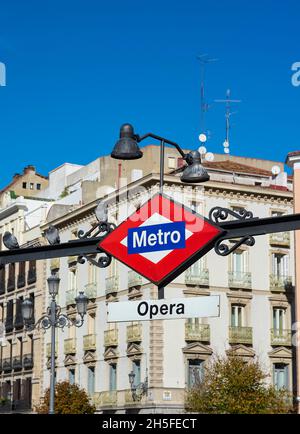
[
  {"x": 52, "y": 319},
  {"x": 137, "y": 391},
  {"x": 127, "y": 148}
]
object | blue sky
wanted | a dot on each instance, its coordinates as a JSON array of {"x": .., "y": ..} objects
[{"x": 76, "y": 70}]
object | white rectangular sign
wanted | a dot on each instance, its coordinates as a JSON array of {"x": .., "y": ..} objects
[{"x": 144, "y": 310}]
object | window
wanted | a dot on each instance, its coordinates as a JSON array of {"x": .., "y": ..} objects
[
  {"x": 278, "y": 318},
  {"x": 24, "y": 185},
  {"x": 113, "y": 376},
  {"x": 72, "y": 376},
  {"x": 195, "y": 372},
  {"x": 237, "y": 315},
  {"x": 31, "y": 186},
  {"x": 194, "y": 205},
  {"x": 197, "y": 268},
  {"x": 72, "y": 279},
  {"x": 136, "y": 367},
  {"x": 280, "y": 265},
  {"x": 281, "y": 376},
  {"x": 38, "y": 186},
  {"x": 171, "y": 162},
  {"x": 91, "y": 380}
]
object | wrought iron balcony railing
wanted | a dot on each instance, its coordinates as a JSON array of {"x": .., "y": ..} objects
[
  {"x": 89, "y": 342},
  {"x": 281, "y": 337},
  {"x": 17, "y": 363},
  {"x": 7, "y": 365},
  {"x": 134, "y": 333},
  {"x": 28, "y": 361},
  {"x": 199, "y": 277},
  {"x": 280, "y": 239},
  {"x": 134, "y": 279},
  {"x": 240, "y": 335},
  {"x": 109, "y": 398},
  {"x": 197, "y": 332},
  {"x": 111, "y": 338},
  {"x": 111, "y": 285},
  {"x": 280, "y": 283},
  {"x": 91, "y": 290},
  {"x": 239, "y": 279},
  {"x": 70, "y": 346}
]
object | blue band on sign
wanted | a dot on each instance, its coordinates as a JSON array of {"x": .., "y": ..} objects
[{"x": 165, "y": 236}]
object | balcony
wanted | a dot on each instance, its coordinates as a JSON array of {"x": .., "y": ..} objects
[
  {"x": 17, "y": 363},
  {"x": 111, "y": 338},
  {"x": 109, "y": 398},
  {"x": 197, "y": 332},
  {"x": 280, "y": 239},
  {"x": 91, "y": 290},
  {"x": 239, "y": 280},
  {"x": 70, "y": 346},
  {"x": 28, "y": 361},
  {"x": 134, "y": 279},
  {"x": 6, "y": 365},
  {"x": 31, "y": 276},
  {"x": 240, "y": 335},
  {"x": 281, "y": 337},
  {"x": 280, "y": 283},
  {"x": 89, "y": 342},
  {"x": 111, "y": 285},
  {"x": 48, "y": 349},
  {"x": 134, "y": 333},
  {"x": 70, "y": 297},
  {"x": 197, "y": 277}
]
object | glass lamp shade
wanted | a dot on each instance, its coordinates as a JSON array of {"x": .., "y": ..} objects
[
  {"x": 53, "y": 284},
  {"x": 27, "y": 309},
  {"x": 194, "y": 172},
  {"x": 127, "y": 147},
  {"x": 81, "y": 303},
  {"x": 131, "y": 377}
]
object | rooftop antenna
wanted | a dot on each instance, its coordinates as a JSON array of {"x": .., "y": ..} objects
[
  {"x": 204, "y": 59},
  {"x": 228, "y": 101}
]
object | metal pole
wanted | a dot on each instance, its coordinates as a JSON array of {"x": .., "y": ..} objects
[
  {"x": 162, "y": 165},
  {"x": 161, "y": 291},
  {"x": 52, "y": 368}
]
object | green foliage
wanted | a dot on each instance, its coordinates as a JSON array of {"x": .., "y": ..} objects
[
  {"x": 64, "y": 193},
  {"x": 232, "y": 386},
  {"x": 3, "y": 400},
  {"x": 69, "y": 399}
]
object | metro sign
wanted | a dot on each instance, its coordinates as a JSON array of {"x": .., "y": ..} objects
[{"x": 161, "y": 239}]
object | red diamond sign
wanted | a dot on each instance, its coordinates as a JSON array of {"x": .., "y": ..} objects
[{"x": 161, "y": 239}]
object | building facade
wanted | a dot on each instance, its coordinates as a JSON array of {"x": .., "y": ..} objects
[{"x": 255, "y": 285}]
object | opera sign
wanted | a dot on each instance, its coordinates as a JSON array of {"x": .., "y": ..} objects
[{"x": 193, "y": 307}]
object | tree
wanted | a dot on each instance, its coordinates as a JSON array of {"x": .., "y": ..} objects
[
  {"x": 230, "y": 385},
  {"x": 69, "y": 399}
]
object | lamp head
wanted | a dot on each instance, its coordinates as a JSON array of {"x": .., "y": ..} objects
[
  {"x": 194, "y": 172},
  {"x": 27, "y": 309},
  {"x": 53, "y": 284},
  {"x": 81, "y": 303},
  {"x": 127, "y": 147},
  {"x": 131, "y": 377}
]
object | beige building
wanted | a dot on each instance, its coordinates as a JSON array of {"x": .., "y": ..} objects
[{"x": 255, "y": 285}]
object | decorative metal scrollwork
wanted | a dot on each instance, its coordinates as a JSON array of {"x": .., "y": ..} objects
[
  {"x": 99, "y": 229},
  {"x": 218, "y": 214}
]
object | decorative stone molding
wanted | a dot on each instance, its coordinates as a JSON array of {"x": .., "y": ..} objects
[
  {"x": 70, "y": 360},
  {"x": 197, "y": 351},
  {"x": 134, "y": 351},
  {"x": 280, "y": 355},
  {"x": 89, "y": 357},
  {"x": 241, "y": 351},
  {"x": 110, "y": 355}
]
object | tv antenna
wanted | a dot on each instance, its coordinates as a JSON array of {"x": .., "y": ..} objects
[
  {"x": 204, "y": 59},
  {"x": 228, "y": 101}
]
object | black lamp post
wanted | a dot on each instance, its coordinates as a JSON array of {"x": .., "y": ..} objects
[
  {"x": 54, "y": 318},
  {"x": 138, "y": 390},
  {"x": 127, "y": 148}
]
